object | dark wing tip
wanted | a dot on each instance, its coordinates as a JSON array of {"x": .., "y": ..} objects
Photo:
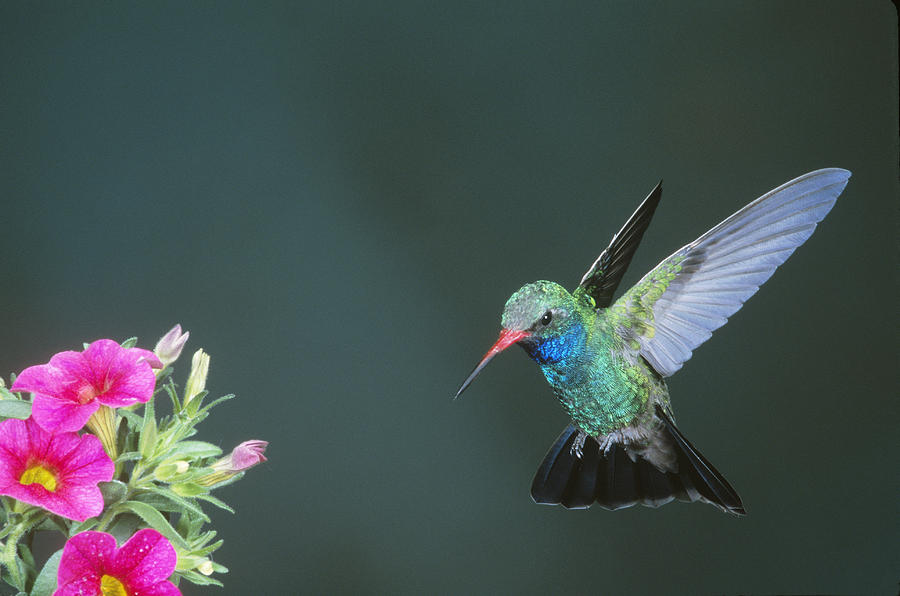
[{"x": 602, "y": 279}]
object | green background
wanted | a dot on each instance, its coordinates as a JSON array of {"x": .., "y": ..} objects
[{"x": 336, "y": 199}]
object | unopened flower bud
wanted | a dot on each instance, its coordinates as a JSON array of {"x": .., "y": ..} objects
[
  {"x": 243, "y": 457},
  {"x": 170, "y": 469},
  {"x": 196, "y": 382},
  {"x": 169, "y": 346},
  {"x": 206, "y": 567}
]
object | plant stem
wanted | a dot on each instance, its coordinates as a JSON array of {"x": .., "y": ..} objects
[{"x": 8, "y": 556}]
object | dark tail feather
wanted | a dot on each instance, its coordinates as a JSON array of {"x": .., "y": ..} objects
[{"x": 615, "y": 481}]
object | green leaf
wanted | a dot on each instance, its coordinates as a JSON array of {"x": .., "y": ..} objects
[
  {"x": 181, "y": 504},
  {"x": 218, "y": 568},
  {"x": 83, "y": 526},
  {"x": 193, "y": 450},
  {"x": 124, "y": 527},
  {"x": 166, "y": 471},
  {"x": 199, "y": 578},
  {"x": 130, "y": 342},
  {"x": 188, "y": 562},
  {"x": 27, "y": 558},
  {"x": 217, "y": 502},
  {"x": 147, "y": 442},
  {"x": 6, "y": 393},
  {"x": 205, "y": 410},
  {"x": 128, "y": 456},
  {"x": 173, "y": 395},
  {"x": 134, "y": 420},
  {"x": 208, "y": 549},
  {"x": 15, "y": 408},
  {"x": 189, "y": 489},
  {"x": 157, "y": 521},
  {"x": 45, "y": 583},
  {"x": 113, "y": 492}
]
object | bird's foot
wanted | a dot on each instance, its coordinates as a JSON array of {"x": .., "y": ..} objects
[
  {"x": 607, "y": 441},
  {"x": 578, "y": 444}
]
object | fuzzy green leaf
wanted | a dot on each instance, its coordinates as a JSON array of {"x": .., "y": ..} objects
[
  {"x": 113, "y": 492},
  {"x": 180, "y": 503},
  {"x": 189, "y": 489},
  {"x": 210, "y": 548},
  {"x": 134, "y": 421},
  {"x": 188, "y": 562},
  {"x": 15, "y": 408},
  {"x": 205, "y": 410},
  {"x": 199, "y": 579},
  {"x": 124, "y": 527},
  {"x": 193, "y": 450},
  {"x": 173, "y": 396},
  {"x": 147, "y": 442},
  {"x": 130, "y": 342},
  {"x": 45, "y": 583},
  {"x": 84, "y": 526},
  {"x": 157, "y": 521},
  {"x": 6, "y": 393},
  {"x": 128, "y": 456},
  {"x": 217, "y": 502}
]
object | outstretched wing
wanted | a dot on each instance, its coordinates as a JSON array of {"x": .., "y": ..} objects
[
  {"x": 678, "y": 305},
  {"x": 602, "y": 279}
]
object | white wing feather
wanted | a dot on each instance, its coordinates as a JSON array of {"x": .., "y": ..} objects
[{"x": 694, "y": 291}]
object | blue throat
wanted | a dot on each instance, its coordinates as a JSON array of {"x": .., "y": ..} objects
[{"x": 556, "y": 348}]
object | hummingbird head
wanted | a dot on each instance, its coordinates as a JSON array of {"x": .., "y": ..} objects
[{"x": 537, "y": 316}]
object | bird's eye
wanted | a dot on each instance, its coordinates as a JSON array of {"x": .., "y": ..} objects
[{"x": 548, "y": 316}]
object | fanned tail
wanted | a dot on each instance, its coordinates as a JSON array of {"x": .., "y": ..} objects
[{"x": 613, "y": 480}]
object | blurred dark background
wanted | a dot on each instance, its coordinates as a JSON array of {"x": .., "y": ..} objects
[{"x": 336, "y": 199}]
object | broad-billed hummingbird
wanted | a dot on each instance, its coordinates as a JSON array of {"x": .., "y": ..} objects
[{"x": 607, "y": 362}]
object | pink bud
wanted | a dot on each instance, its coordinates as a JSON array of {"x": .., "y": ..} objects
[
  {"x": 244, "y": 456},
  {"x": 169, "y": 347},
  {"x": 248, "y": 454}
]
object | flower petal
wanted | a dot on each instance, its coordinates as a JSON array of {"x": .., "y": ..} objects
[
  {"x": 82, "y": 586},
  {"x": 43, "y": 378},
  {"x": 161, "y": 589},
  {"x": 147, "y": 356},
  {"x": 86, "y": 556},
  {"x": 100, "y": 356},
  {"x": 248, "y": 454},
  {"x": 60, "y": 415},
  {"x": 78, "y": 502},
  {"x": 148, "y": 558},
  {"x": 129, "y": 379}
]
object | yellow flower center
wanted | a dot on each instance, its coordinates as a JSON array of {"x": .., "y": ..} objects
[
  {"x": 110, "y": 586},
  {"x": 38, "y": 474}
]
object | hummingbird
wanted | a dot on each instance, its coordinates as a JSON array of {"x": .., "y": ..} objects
[{"x": 607, "y": 362}]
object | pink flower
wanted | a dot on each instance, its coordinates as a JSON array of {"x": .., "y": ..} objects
[
  {"x": 244, "y": 456},
  {"x": 71, "y": 387},
  {"x": 92, "y": 566},
  {"x": 58, "y": 472}
]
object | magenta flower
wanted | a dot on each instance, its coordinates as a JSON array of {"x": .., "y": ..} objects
[
  {"x": 71, "y": 387},
  {"x": 58, "y": 472},
  {"x": 92, "y": 566}
]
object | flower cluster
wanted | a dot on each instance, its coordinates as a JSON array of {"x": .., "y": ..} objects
[{"x": 80, "y": 457}]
